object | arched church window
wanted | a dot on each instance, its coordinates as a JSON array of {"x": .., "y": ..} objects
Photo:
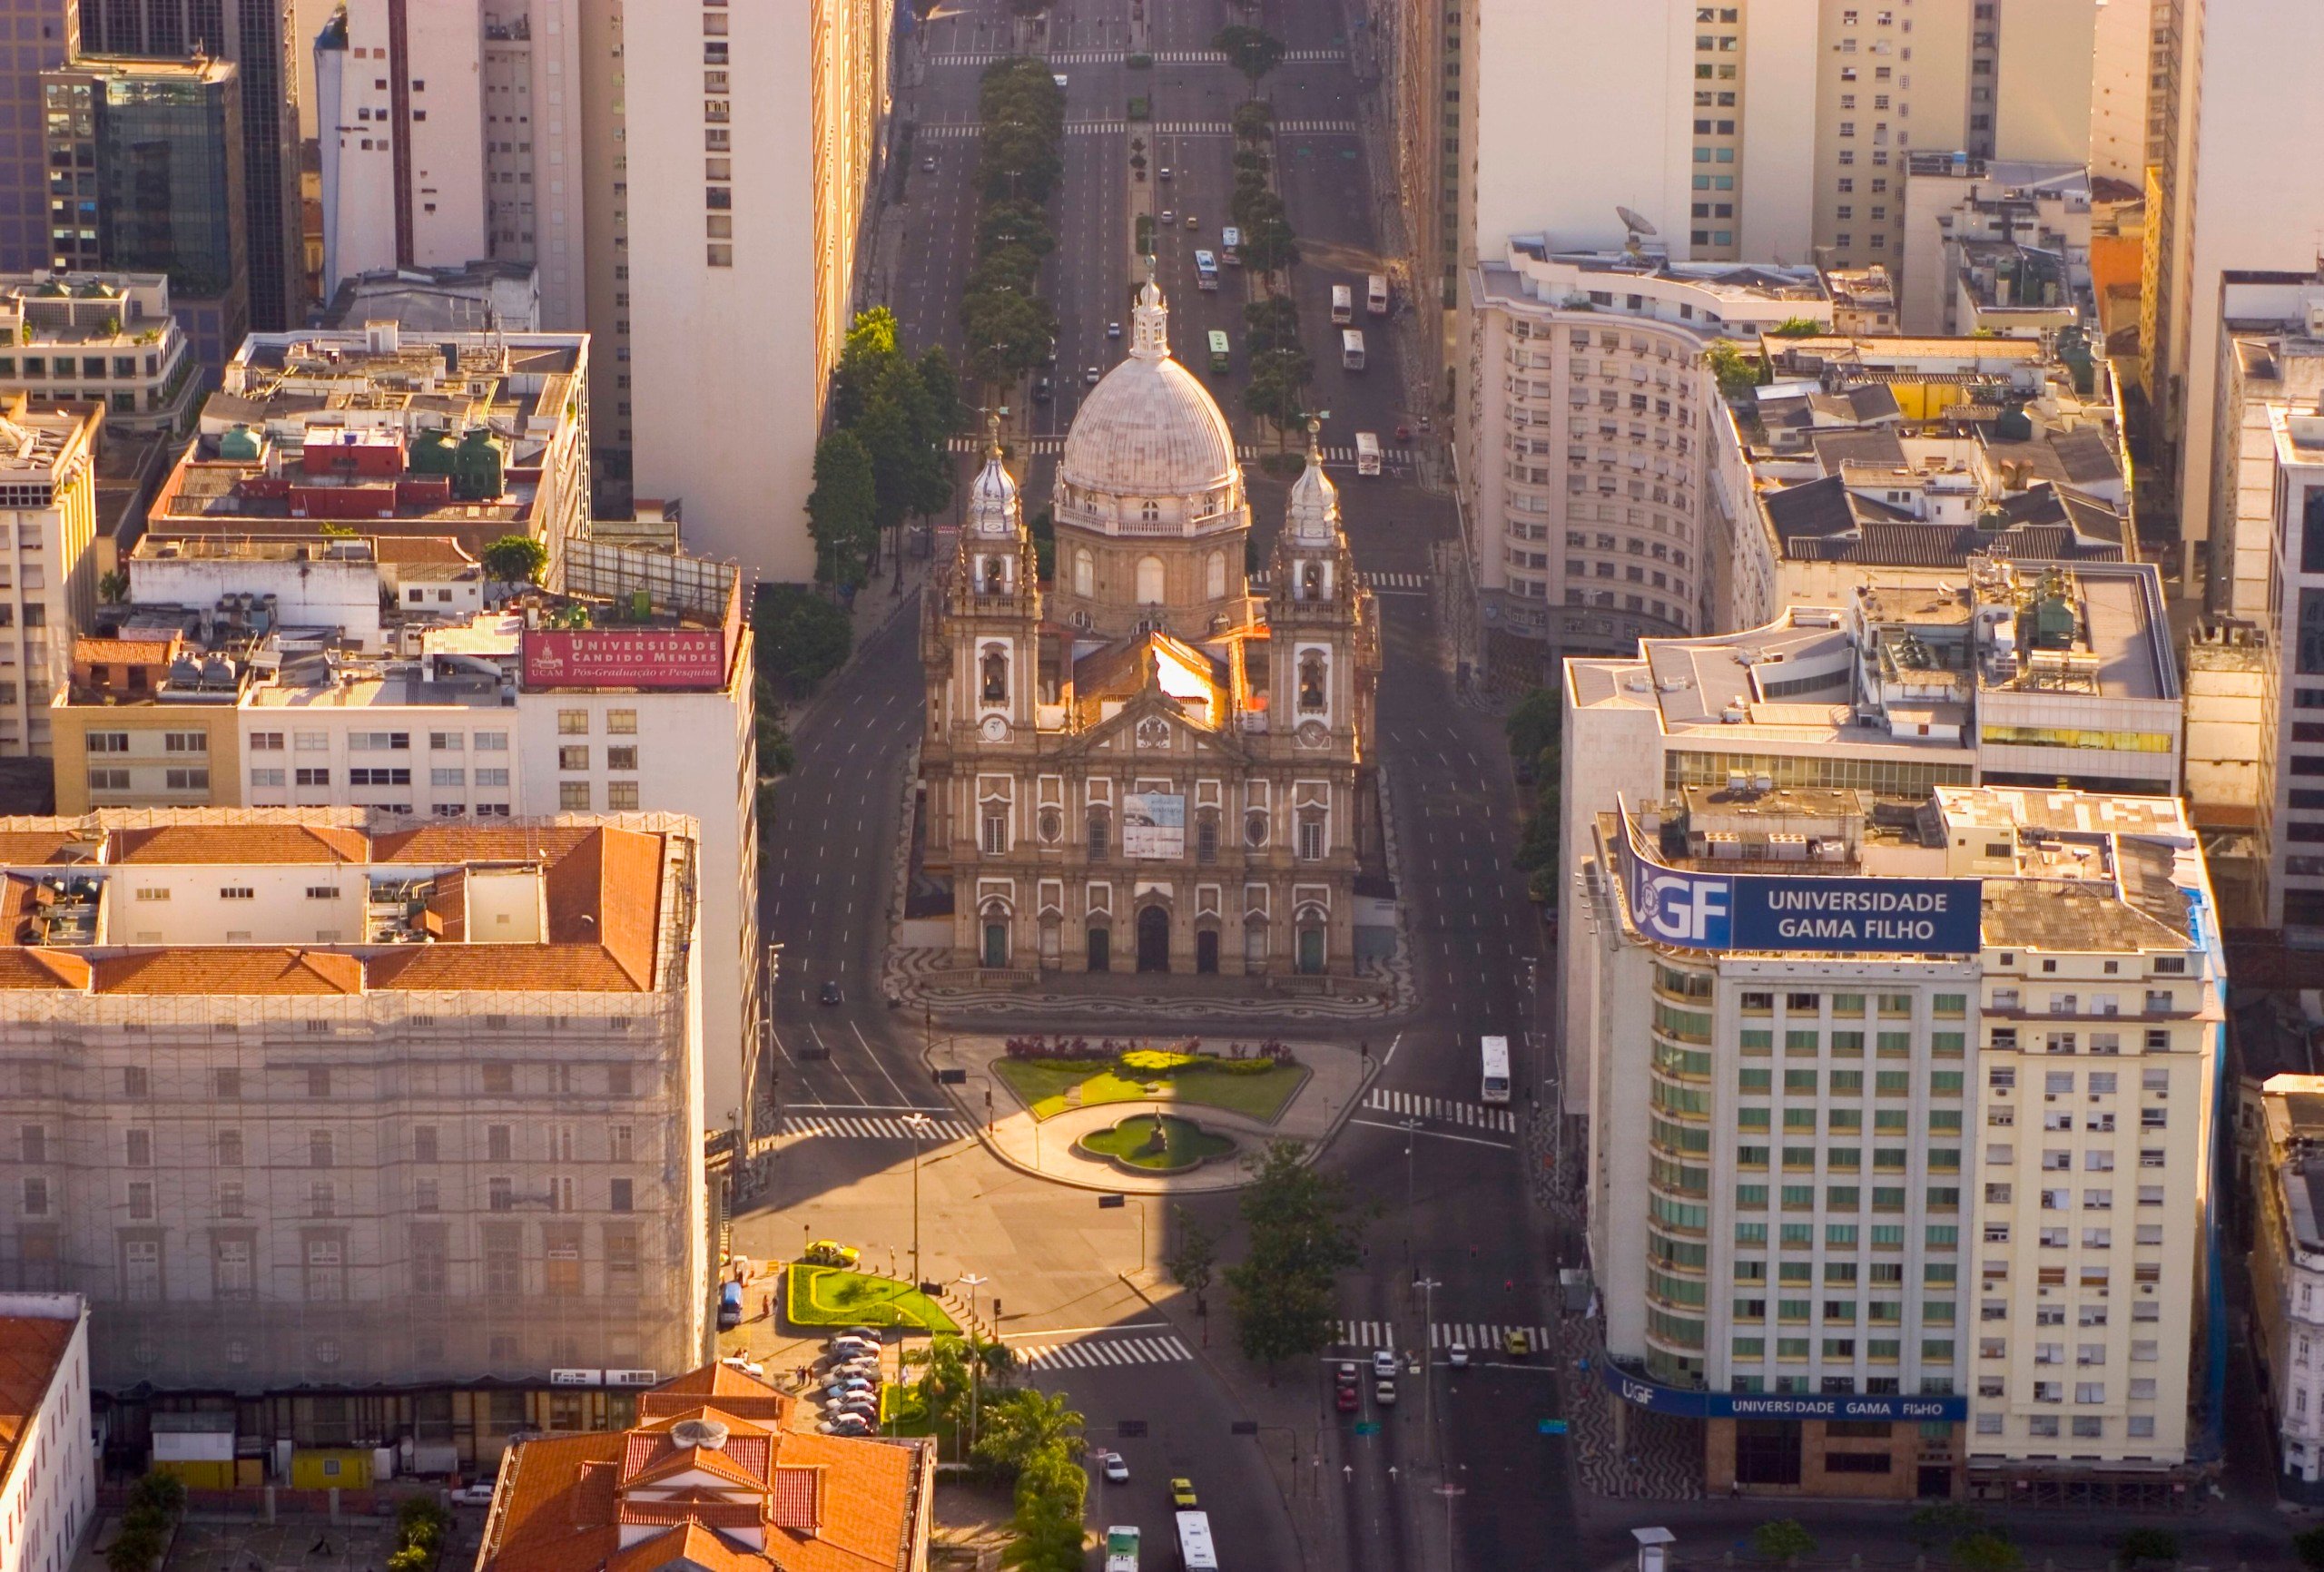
[
  {"x": 1150, "y": 511},
  {"x": 1150, "y": 581},
  {"x": 1311, "y": 581},
  {"x": 993, "y": 573},
  {"x": 1085, "y": 574},
  {"x": 1098, "y": 833},
  {"x": 995, "y": 677},
  {"x": 1215, "y": 575},
  {"x": 1311, "y": 680}
]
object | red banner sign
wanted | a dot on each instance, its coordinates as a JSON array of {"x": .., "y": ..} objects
[{"x": 686, "y": 659}]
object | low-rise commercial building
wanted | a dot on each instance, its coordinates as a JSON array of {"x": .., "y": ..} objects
[
  {"x": 2287, "y": 1193},
  {"x": 319, "y": 1098},
  {"x": 1823, "y": 1217},
  {"x": 48, "y": 1459},
  {"x": 48, "y": 559},
  {"x": 105, "y": 339},
  {"x": 1993, "y": 243},
  {"x": 370, "y": 673}
]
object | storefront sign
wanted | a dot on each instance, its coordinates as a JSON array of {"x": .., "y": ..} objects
[
  {"x": 1686, "y": 1403},
  {"x": 1758, "y": 911},
  {"x": 576, "y": 1378},
  {"x": 631, "y": 1378}
]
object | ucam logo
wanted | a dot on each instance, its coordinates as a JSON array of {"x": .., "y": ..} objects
[{"x": 1681, "y": 908}]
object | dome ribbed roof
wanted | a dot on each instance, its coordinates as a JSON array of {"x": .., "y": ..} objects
[{"x": 1150, "y": 427}]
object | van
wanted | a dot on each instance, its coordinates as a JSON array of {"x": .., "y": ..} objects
[{"x": 730, "y": 1306}]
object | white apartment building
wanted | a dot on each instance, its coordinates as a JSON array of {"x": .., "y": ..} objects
[
  {"x": 323, "y": 1097},
  {"x": 286, "y": 687},
  {"x": 48, "y": 561},
  {"x": 1589, "y": 428},
  {"x": 2266, "y": 556},
  {"x": 2287, "y": 1193},
  {"x": 486, "y": 104},
  {"x": 1820, "y": 1218},
  {"x": 48, "y": 1461},
  {"x": 2238, "y": 90},
  {"x": 2030, "y": 673},
  {"x": 2121, "y": 44},
  {"x": 783, "y": 109},
  {"x": 104, "y": 338},
  {"x": 1773, "y": 129}
]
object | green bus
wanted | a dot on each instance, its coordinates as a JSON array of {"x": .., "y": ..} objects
[{"x": 1219, "y": 362}]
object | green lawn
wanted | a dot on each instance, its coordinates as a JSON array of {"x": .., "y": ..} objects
[
  {"x": 827, "y": 1296},
  {"x": 1042, "y": 1089},
  {"x": 1186, "y": 1143}
]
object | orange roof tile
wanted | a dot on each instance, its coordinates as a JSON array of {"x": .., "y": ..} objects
[
  {"x": 693, "y": 1548},
  {"x": 96, "y": 652},
  {"x": 449, "y": 843},
  {"x": 607, "y": 890},
  {"x": 418, "y": 548},
  {"x": 43, "y": 968},
  {"x": 24, "y": 847},
  {"x": 215, "y": 843},
  {"x": 227, "y": 969},
  {"x": 584, "y": 969},
  {"x": 735, "y": 1391},
  {"x": 30, "y": 1350},
  {"x": 669, "y": 1462}
]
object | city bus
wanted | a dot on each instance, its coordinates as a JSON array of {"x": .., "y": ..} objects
[
  {"x": 1376, "y": 300},
  {"x": 1351, "y": 349},
  {"x": 1206, "y": 271},
  {"x": 1496, "y": 1081},
  {"x": 1230, "y": 246},
  {"x": 1220, "y": 363},
  {"x": 1367, "y": 453},
  {"x": 1343, "y": 304},
  {"x": 1195, "y": 1552}
]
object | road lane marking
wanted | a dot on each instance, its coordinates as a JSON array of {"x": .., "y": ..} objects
[{"x": 1434, "y": 1134}]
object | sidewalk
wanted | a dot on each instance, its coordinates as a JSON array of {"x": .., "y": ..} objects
[{"x": 1336, "y": 1079}]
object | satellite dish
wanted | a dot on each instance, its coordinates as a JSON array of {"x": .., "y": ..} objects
[{"x": 1634, "y": 222}]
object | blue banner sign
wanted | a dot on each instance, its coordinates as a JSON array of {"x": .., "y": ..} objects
[
  {"x": 1761, "y": 912},
  {"x": 1686, "y": 1403}
]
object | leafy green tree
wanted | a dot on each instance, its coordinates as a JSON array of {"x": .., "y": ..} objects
[
  {"x": 1277, "y": 390},
  {"x": 801, "y": 637},
  {"x": 1985, "y": 1553},
  {"x": 1782, "y": 1540},
  {"x": 1251, "y": 161},
  {"x": 133, "y": 1549},
  {"x": 515, "y": 559},
  {"x": 2138, "y": 1545},
  {"x": 1272, "y": 323},
  {"x": 1253, "y": 120},
  {"x": 1799, "y": 327},
  {"x": 1044, "y": 533},
  {"x": 113, "y": 588},
  {"x": 1051, "y": 1491},
  {"x": 1940, "y": 1522},
  {"x": 1022, "y": 1425},
  {"x": 943, "y": 386},
  {"x": 870, "y": 349},
  {"x": 1737, "y": 373},
  {"x": 1269, "y": 246},
  {"x": 1252, "y": 51},
  {"x": 163, "y": 1492},
  {"x": 1015, "y": 223},
  {"x": 1253, "y": 204},
  {"x": 1535, "y": 722},
  {"x": 1007, "y": 334},
  {"x": 843, "y": 509},
  {"x": 1193, "y": 1259},
  {"x": 1302, "y": 1237}
]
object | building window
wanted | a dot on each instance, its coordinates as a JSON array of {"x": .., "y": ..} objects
[
  {"x": 621, "y": 795},
  {"x": 573, "y": 796}
]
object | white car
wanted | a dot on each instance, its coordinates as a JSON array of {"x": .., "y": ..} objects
[
  {"x": 1385, "y": 1394},
  {"x": 1457, "y": 1356},
  {"x": 473, "y": 1496},
  {"x": 1060, "y": 79},
  {"x": 749, "y": 1367},
  {"x": 1117, "y": 1468},
  {"x": 1383, "y": 1362}
]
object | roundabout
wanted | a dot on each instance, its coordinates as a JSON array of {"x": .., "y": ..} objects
[{"x": 1154, "y": 1145}]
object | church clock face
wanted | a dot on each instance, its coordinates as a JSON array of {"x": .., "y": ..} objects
[
  {"x": 996, "y": 730},
  {"x": 1312, "y": 735}
]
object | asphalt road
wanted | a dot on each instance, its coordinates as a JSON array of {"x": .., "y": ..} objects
[{"x": 1378, "y": 1501}]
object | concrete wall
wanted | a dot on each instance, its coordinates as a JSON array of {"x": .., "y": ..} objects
[
  {"x": 2043, "y": 82},
  {"x": 2120, "y": 44},
  {"x": 1776, "y": 209}
]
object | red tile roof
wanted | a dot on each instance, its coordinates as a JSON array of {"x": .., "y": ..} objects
[
  {"x": 229, "y": 970},
  {"x": 21, "y": 848},
  {"x": 228, "y": 843},
  {"x": 30, "y": 1350},
  {"x": 96, "y": 652},
  {"x": 43, "y": 968}
]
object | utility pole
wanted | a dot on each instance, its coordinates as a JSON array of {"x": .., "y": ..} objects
[
  {"x": 1428, "y": 1287},
  {"x": 1412, "y": 1139},
  {"x": 919, "y": 1123}
]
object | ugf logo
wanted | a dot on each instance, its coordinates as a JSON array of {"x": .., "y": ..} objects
[{"x": 1683, "y": 911}]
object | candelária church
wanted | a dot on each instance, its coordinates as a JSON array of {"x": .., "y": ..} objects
[{"x": 1142, "y": 765}]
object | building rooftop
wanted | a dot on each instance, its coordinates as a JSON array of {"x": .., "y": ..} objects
[
  {"x": 568, "y": 906},
  {"x": 32, "y": 1348},
  {"x": 720, "y": 1474},
  {"x": 1704, "y": 297}
]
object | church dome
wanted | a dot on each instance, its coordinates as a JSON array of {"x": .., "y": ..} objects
[{"x": 1149, "y": 428}]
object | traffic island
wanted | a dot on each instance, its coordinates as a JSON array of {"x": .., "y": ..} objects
[
  {"x": 834, "y": 1296},
  {"x": 1154, "y": 1145}
]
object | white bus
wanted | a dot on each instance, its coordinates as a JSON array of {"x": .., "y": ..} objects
[
  {"x": 1121, "y": 1548},
  {"x": 1367, "y": 453},
  {"x": 1195, "y": 1552},
  {"x": 1206, "y": 271},
  {"x": 1376, "y": 300},
  {"x": 1496, "y": 1057},
  {"x": 1352, "y": 348},
  {"x": 1343, "y": 304}
]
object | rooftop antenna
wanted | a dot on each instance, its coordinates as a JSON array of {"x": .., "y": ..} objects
[{"x": 1639, "y": 229}]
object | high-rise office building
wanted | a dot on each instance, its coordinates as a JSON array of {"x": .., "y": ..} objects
[
  {"x": 1768, "y": 129},
  {"x": 780, "y": 109},
  {"x": 258, "y": 37},
  {"x": 145, "y": 175},
  {"x": 44, "y": 32}
]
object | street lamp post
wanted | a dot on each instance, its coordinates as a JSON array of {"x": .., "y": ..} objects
[
  {"x": 1428, "y": 1287},
  {"x": 1450, "y": 1493},
  {"x": 976, "y": 1359},
  {"x": 919, "y": 1124},
  {"x": 1412, "y": 1139}
]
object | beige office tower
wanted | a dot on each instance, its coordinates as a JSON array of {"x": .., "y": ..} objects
[
  {"x": 727, "y": 229},
  {"x": 1768, "y": 129}
]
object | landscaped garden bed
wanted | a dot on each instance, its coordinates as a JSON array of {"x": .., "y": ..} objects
[
  {"x": 1154, "y": 1143},
  {"x": 1256, "y": 1080},
  {"x": 832, "y": 1296}
]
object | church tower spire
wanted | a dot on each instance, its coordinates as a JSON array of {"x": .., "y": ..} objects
[{"x": 1150, "y": 321}]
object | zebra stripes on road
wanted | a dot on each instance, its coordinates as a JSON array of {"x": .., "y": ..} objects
[
  {"x": 1478, "y": 1116},
  {"x": 1482, "y": 1334},
  {"x": 876, "y": 1127},
  {"x": 1099, "y": 1352},
  {"x": 1373, "y": 1334},
  {"x": 1315, "y": 128},
  {"x": 1392, "y": 583}
]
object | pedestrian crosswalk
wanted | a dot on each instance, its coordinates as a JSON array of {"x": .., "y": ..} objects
[
  {"x": 1315, "y": 128},
  {"x": 945, "y": 128},
  {"x": 937, "y": 1127},
  {"x": 1099, "y": 1352},
  {"x": 1412, "y": 1104},
  {"x": 1472, "y": 1334},
  {"x": 1387, "y": 583}
]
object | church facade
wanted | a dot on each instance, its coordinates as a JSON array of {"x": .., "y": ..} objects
[{"x": 1142, "y": 765}]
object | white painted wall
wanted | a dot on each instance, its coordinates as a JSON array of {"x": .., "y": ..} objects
[
  {"x": 2043, "y": 82},
  {"x": 1776, "y": 212},
  {"x": 2118, "y": 89},
  {"x": 51, "y": 1489}
]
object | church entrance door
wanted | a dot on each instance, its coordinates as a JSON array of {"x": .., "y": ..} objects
[
  {"x": 1154, "y": 939},
  {"x": 996, "y": 944},
  {"x": 1206, "y": 950},
  {"x": 1101, "y": 948},
  {"x": 1311, "y": 950}
]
